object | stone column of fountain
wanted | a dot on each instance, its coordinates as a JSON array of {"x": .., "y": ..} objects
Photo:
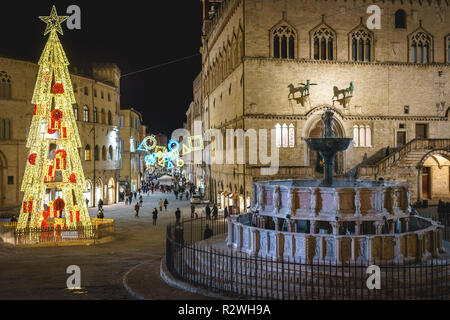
[{"x": 328, "y": 146}]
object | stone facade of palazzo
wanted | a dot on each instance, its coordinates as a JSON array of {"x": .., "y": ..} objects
[
  {"x": 259, "y": 54},
  {"x": 97, "y": 112}
]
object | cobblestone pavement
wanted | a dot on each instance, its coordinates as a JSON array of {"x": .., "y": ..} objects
[{"x": 40, "y": 273}]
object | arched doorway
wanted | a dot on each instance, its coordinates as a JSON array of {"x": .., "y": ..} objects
[
  {"x": 98, "y": 191},
  {"x": 315, "y": 162},
  {"x": 434, "y": 174},
  {"x": 88, "y": 194},
  {"x": 111, "y": 191}
]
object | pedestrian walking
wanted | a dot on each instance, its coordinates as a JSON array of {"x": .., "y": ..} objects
[
  {"x": 225, "y": 212},
  {"x": 208, "y": 212},
  {"x": 100, "y": 204},
  {"x": 208, "y": 232},
  {"x": 215, "y": 212},
  {"x": 161, "y": 204},
  {"x": 155, "y": 216},
  {"x": 141, "y": 201},
  {"x": 136, "y": 210},
  {"x": 166, "y": 203},
  {"x": 192, "y": 210},
  {"x": 178, "y": 215}
]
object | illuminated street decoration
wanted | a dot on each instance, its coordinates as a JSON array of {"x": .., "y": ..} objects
[
  {"x": 145, "y": 146},
  {"x": 53, "y": 164},
  {"x": 166, "y": 157}
]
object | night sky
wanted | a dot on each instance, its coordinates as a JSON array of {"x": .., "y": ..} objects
[{"x": 133, "y": 34}]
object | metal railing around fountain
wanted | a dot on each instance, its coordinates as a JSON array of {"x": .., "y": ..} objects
[{"x": 230, "y": 273}]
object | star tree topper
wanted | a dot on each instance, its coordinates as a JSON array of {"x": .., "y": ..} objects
[{"x": 53, "y": 21}]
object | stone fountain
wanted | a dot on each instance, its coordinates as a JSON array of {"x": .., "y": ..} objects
[
  {"x": 328, "y": 146},
  {"x": 336, "y": 222}
]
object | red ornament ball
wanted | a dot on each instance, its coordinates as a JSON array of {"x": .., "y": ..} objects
[
  {"x": 58, "y": 88},
  {"x": 57, "y": 115},
  {"x": 46, "y": 214},
  {"x": 34, "y": 109},
  {"x": 59, "y": 204},
  {"x": 73, "y": 178},
  {"x": 51, "y": 131},
  {"x": 32, "y": 158}
]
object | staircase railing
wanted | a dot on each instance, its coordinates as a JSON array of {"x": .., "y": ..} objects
[{"x": 415, "y": 144}]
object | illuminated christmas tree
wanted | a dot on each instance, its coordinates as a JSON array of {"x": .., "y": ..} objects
[{"x": 54, "y": 182}]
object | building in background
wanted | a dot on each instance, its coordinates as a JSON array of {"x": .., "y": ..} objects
[
  {"x": 258, "y": 56},
  {"x": 97, "y": 92},
  {"x": 131, "y": 172}
]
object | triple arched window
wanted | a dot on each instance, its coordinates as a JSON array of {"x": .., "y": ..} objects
[
  {"x": 284, "y": 41},
  {"x": 285, "y": 135},
  {"x": 323, "y": 43},
  {"x": 362, "y": 135},
  {"x": 5, "y": 85},
  {"x": 420, "y": 46}
]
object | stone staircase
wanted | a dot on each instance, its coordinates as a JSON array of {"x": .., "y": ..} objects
[{"x": 401, "y": 165}]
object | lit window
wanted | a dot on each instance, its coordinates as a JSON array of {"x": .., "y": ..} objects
[
  {"x": 291, "y": 136},
  {"x": 87, "y": 153},
  {"x": 285, "y": 136},
  {"x": 95, "y": 115},
  {"x": 278, "y": 135},
  {"x": 86, "y": 114}
]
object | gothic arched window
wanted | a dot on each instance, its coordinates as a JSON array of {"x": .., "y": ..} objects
[
  {"x": 96, "y": 153},
  {"x": 86, "y": 114},
  {"x": 5, "y": 85},
  {"x": 87, "y": 153},
  {"x": 323, "y": 43},
  {"x": 362, "y": 44},
  {"x": 420, "y": 47},
  {"x": 284, "y": 40},
  {"x": 400, "y": 19},
  {"x": 285, "y": 135}
]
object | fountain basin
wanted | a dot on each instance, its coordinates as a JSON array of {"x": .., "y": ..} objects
[{"x": 328, "y": 146}]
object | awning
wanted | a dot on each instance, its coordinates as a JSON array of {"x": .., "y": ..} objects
[
  {"x": 234, "y": 196},
  {"x": 225, "y": 193}
]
